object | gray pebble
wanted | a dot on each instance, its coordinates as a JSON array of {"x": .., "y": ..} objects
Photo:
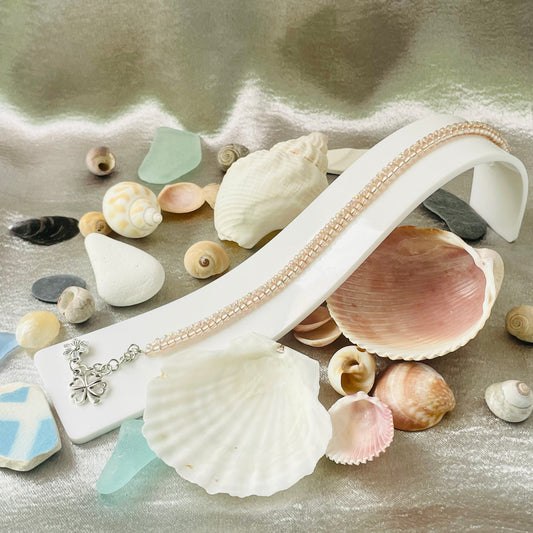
[{"x": 49, "y": 289}]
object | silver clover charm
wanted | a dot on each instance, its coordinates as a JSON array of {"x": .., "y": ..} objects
[{"x": 89, "y": 386}]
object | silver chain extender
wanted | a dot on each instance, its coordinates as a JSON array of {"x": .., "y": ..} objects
[{"x": 87, "y": 383}]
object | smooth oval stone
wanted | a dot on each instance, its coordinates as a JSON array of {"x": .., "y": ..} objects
[
  {"x": 28, "y": 432},
  {"x": 124, "y": 274},
  {"x": 460, "y": 218},
  {"x": 49, "y": 289},
  {"x": 172, "y": 154},
  {"x": 46, "y": 230},
  {"x": 130, "y": 455},
  {"x": 8, "y": 342}
]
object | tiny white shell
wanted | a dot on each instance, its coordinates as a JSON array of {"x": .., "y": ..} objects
[
  {"x": 100, "y": 161},
  {"x": 351, "y": 369},
  {"x": 510, "y": 400},
  {"x": 243, "y": 420},
  {"x": 76, "y": 304}
]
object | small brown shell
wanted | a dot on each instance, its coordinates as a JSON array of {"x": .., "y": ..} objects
[
  {"x": 93, "y": 222},
  {"x": 100, "y": 161},
  {"x": 321, "y": 336},
  {"x": 205, "y": 259},
  {"x": 228, "y": 154},
  {"x": 351, "y": 369},
  {"x": 210, "y": 193},
  {"x": 519, "y": 322},
  {"x": 416, "y": 394},
  {"x": 182, "y": 197}
]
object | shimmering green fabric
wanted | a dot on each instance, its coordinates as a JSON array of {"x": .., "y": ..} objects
[{"x": 79, "y": 74}]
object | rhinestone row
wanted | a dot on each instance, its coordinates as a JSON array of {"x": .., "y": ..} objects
[{"x": 327, "y": 234}]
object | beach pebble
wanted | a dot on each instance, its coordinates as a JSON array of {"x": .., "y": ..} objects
[
  {"x": 28, "y": 432},
  {"x": 37, "y": 329},
  {"x": 46, "y": 230},
  {"x": 457, "y": 214},
  {"x": 8, "y": 342},
  {"x": 124, "y": 274},
  {"x": 50, "y": 288},
  {"x": 76, "y": 304}
]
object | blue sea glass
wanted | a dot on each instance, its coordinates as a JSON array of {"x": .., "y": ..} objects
[
  {"x": 131, "y": 455},
  {"x": 172, "y": 154},
  {"x": 8, "y": 343}
]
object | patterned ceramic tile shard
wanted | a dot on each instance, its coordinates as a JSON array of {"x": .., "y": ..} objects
[
  {"x": 28, "y": 432},
  {"x": 130, "y": 455},
  {"x": 173, "y": 153},
  {"x": 46, "y": 230}
]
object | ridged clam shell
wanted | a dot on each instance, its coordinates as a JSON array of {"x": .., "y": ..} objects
[
  {"x": 362, "y": 429},
  {"x": 131, "y": 209},
  {"x": 265, "y": 190},
  {"x": 244, "y": 420},
  {"x": 46, "y": 230},
  {"x": 421, "y": 294},
  {"x": 416, "y": 394},
  {"x": 510, "y": 400}
]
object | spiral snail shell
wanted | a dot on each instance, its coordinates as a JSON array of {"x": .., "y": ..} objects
[
  {"x": 510, "y": 400},
  {"x": 205, "y": 259},
  {"x": 519, "y": 322},
  {"x": 228, "y": 154},
  {"x": 131, "y": 209}
]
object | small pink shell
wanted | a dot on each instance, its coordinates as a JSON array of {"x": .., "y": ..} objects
[
  {"x": 321, "y": 336},
  {"x": 313, "y": 321},
  {"x": 182, "y": 197},
  {"x": 362, "y": 429}
]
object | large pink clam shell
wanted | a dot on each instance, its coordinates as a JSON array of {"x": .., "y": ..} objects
[
  {"x": 421, "y": 294},
  {"x": 362, "y": 429}
]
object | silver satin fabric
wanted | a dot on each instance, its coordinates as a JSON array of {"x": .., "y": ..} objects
[{"x": 74, "y": 75}]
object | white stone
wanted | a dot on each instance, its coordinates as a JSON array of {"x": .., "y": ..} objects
[
  {"x": 342, "y": 158},
  {"x": 124, "y": 274}
]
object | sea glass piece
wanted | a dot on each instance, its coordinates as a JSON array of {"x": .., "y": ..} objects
[
  {"x": 28, "y": 432},
  {"x": 457, "y": 214},
  {"x": 8, "y": 343},
  {"x": 49, "y": 289},
  {"x": 131, "y": 455},
  {"x": 173, "y": 153}
]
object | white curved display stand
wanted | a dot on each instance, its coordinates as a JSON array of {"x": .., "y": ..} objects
[{"x": 499, "y": 193}]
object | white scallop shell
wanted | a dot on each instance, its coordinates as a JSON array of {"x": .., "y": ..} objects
[
  {"x": 244, "y": 420},
  {"x": 510, "y": 400},
  {"x": 131, "y": 209},
  {"x": 362, "y": 429},
  {"x": 421, "y": 294},
  {"x": 265, "y": 190}
]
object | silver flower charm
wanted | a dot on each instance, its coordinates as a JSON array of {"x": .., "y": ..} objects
[
  {"x": 75, "y": 348},
  {"x": 89, "y": 386}
]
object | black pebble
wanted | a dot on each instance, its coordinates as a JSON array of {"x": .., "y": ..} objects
[
  {"x": 49, "y": 289},
  {"x": 46, "y": 230},
  {"x": 458, "y": 215}
]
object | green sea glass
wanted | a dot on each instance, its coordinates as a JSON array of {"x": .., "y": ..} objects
[
  {"x": 173, "y": 153},
  {"x": 130, "y": 455}
]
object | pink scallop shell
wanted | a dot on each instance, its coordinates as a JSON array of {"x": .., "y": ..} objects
[
  {"x": 421, "y": 294},
  {"x": 362, "y": 429}
]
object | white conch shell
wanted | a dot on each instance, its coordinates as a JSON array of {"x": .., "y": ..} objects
[
  {"x": 421, "y": 294},
  {"x": 362, "y": 429},
  {"x": 510, "y": 400},
  {"x": 351, "y": 369},
  {"x": 131, "y": 209},
  {"x": 265, "y": 190},
  {"x": 244, "y": 420}
]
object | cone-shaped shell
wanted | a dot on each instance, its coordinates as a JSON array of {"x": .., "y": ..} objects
[
  {"x": 265, "y": 190},
  {"x": 244, "y": 420},
  {"x": 131, "y": 209},
  {"x": 362, "y": 429},
  {"x": 416, "y": 394},
  {"x": 421, "y": 294}
]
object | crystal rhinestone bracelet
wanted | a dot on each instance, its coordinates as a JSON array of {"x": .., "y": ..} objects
[{"x": 87, "y": 383}]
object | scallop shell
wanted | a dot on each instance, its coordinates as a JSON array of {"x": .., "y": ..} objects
[
  {"x": 510, "y": 400},
  {"x": 100, "y": 161},
  {"x": 519, "y": 322},
  {"x": 362, "y": 429},
  {"x": 228, "y": 154},
  {"x": 265, "y": 190},
  {"x": 421, "y": 294},
  {"x": 244, "y": 420},
  {"x": 320, "y": 336},
  {"x": 93, "y": 222},
  {"x": 205, "y": 259},
  {"x": 131, "y": 209},
  {"x": 416, "y": 394},
  {"x": 182, "y": 197},
  {"x": 351, "y": 369},
  {"x": 76, "y": 304}
]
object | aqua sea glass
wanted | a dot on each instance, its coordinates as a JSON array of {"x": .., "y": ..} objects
[
  {"x": 8, "y": 343},
  {"x": 130, "y": 455},
  {"x": 173, "y": 153}
]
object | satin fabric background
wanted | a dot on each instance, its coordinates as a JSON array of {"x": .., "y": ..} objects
[{"x": 79, "y": 74}]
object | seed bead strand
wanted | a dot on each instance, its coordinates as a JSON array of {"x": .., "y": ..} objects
[{"x": 326, "y": 235}]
